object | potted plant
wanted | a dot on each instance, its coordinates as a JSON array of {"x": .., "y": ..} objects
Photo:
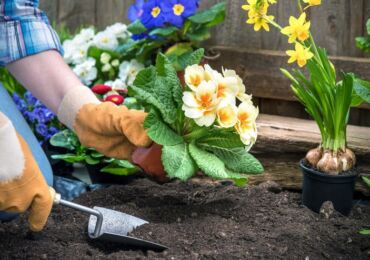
[
  {"x": 329, "y": 170},
  {"x": 209, "y": 127},
  {"x": 101, "y": 169},
  {"x": 173, "y": 27}
]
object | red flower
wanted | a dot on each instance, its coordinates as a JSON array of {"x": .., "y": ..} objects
[
  {"x": 116, "y": 99},
  {"x": 101, "y": 89}
]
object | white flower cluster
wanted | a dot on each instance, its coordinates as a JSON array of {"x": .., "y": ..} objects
[
  {"x": 213, "y": 97},
  {"x": 76, "y": 50},
  {"x": 128, "y": 71}
]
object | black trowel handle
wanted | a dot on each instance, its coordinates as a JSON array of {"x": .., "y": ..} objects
[{"x": 90, "y": 211}]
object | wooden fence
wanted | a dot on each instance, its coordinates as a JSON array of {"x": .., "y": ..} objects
[{"x": 256, "y": 56}]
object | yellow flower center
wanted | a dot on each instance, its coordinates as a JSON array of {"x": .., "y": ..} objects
[
  {"x": 221, "y": 90},
  {"x": 243, "y": 117},
  {"x": 105, "y": 40},
  {"x": 178, "y": 9},
  {"x": 156, "y": 11},
  {"x": 205, "y": 100},
  {"x": 195, "y": 80}
]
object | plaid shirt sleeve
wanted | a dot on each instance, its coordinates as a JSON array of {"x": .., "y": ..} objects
[{"x": 24, "y": 30}]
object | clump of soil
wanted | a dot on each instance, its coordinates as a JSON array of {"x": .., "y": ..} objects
[{"x": 197, "y": 221}]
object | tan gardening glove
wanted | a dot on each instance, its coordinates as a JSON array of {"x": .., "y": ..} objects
[
  {"x": 22, "y": 186},
  {"x": 115, "y": 131}
]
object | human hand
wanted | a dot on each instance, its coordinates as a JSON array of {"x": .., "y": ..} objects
[{"x": 29, "y": 191}]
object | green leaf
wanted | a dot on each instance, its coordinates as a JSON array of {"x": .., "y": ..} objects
[
  {"x": 192, "y": 58},
  {"x": 228, "y": 147},
  {"x": 366, "y": 180},
  {"x": 240, "y": 180},
  {"x": 368, "y": 26},
  {"x": 70, "y": 158},
  {"x": 221, "y": 138},
  {"x": 160, "y": 132},
  {"x": 136, "y": 27},
  {"x": 210, "y": 16},
  {"x": 160, "y": 87},
  {"x": 124, "y": 163},
  {"x": 209, "y": 163},
  {"x": 120, "y": 171},
  {"x": 362, "y": 89},
  {"x": 65, "y": 139},
  {"x": 177, "y": 161},
  {"x": 365, "y": 232},
  {"x": 165, "y": 32}
]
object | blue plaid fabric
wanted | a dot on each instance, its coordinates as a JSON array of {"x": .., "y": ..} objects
[{"x": 24, "y": 30}]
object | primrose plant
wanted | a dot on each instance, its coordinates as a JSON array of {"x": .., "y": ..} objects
[{"x": 209, "y": 127}]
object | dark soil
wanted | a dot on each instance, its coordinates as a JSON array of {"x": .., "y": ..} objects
[{"x": 197, "y": 222}]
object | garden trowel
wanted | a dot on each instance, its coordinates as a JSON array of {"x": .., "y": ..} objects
[{"x": 111, "y": 226}]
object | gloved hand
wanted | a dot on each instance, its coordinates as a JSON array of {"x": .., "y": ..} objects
[
  {"x": 149, "y": 159},
  {"x": 22, "y": 185},
  {"x": 115, "y": 131}
]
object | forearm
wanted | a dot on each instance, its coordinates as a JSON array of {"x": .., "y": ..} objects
[
  {"x": 46, "y": 75},
  {"x": 11, "y": 155}
]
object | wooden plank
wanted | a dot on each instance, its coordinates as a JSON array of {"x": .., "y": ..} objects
[
  {"x": 76, "y": 14},
  {"x": 335, "y": 25},
  {"x": 50, "y": 7},
  {"x": 261, "y": 74},
  {"x": 111, "y": 11},
  {"x": 234, "y": 31},
  {"x": 286, "y": 134},
  {"x": 283, "y": 169}
]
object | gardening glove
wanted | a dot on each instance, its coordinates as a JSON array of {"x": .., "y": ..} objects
[
  {"x": 22, "y": 186},
  {"x": 115, "y": 131},
  {"x": 149, "y": 160}
]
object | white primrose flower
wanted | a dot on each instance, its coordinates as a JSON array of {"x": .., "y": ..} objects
[
  {"x": 129, "y": 70},
  {"x": 246, "y": 124},
  {"x": 105, "y": 58},
  {"x": 117, "y": 85},
  {"x": 119, "y": 30},
  {"x": 85, "y": 36},
  {"x": 227, "y": 115},
  {"x": 105, "y": 41},
  {"x": 69, "y": 50},
  {"x": 241, "y": 95},
  {"x": 227, "y": 86},
  {"x": 201, "y": 105},
  {"x": 194, "y": 75},
  {"x": 86, "y": 71}
]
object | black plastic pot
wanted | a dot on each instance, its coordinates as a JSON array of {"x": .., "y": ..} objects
[
  {"x": 98, "y": 177},
  {"x": 319, "y": 187}
]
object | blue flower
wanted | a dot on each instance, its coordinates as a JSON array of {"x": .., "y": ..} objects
[
  {"x": 178, "y": 10},
  {"x": 43, "y": 115},
  {"x": 30, "y": 99},
  {"x": 20, "y": 103},
  {"x": 53, "y": 130},
  {"x": 135, "y": 11},
  {"x": 153, "y": 15},
  {"x": 42, "y": 130}
]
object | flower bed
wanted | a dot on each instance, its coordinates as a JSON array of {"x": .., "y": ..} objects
[{"x": 198, "y": 221}]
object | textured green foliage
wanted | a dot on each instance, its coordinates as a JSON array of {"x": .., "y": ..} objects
[
  {"x": 362, "y": 89},
  {"x": 366, "y": 180},
  {"x": 120, "y": 167},
  {"x": 211, "y": 16},
  {"x": 212, "y": 166},
  {"x": 136, "y": 27},
  {"x": 151, "y": 86},
  {"x": 65, "y": 139},
  {"x": 160, "y": 132},
  {"x": 166, "y": 31},
  {"x": 177, "y": 161},
  {"x": 363, "y": 43}
]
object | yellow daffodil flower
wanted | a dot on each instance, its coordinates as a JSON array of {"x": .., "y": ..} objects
[
  {"x": 300, "y": 54},
  {"x": 312, "y": 2},
  {"x": 227, "y": 116},
  {"x": 297, "y": 29},
  {"x": 261, "y": 22},
  {"x": 201, "y": 105}
]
